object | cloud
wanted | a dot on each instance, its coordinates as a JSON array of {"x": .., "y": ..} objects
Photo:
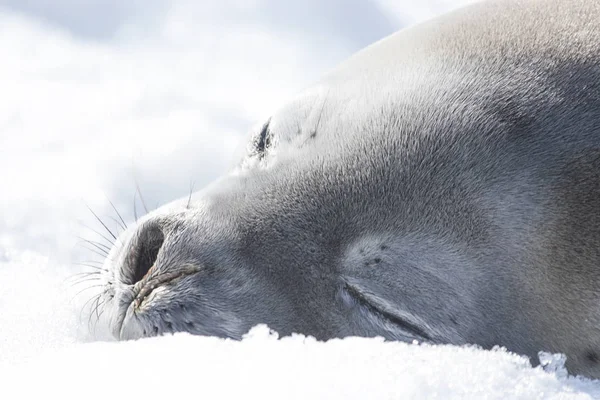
[
  {"x": 80, "y": 117},
  {"x": 89, "y": 19}
]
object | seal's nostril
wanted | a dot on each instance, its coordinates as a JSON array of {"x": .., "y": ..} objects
[{"x": 145, "y": 252}]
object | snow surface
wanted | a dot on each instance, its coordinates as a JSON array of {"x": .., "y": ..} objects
[{"x": 99, "y": 94}]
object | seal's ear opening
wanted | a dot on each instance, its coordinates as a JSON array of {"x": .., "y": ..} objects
[{"x": 143, "y": 255}]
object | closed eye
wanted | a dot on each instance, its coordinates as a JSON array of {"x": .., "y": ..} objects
[{"x": 378, "y": 309}]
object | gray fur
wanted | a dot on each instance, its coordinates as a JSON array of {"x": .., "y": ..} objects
[{"x": 443, "y": 185}]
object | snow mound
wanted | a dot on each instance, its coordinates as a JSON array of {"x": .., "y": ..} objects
[{"x": 298, "y": 367}]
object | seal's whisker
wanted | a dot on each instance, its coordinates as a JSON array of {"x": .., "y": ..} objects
[
  {"x": 105, "y": 247},
  {"x": 119, "y": 227},
  {"x": 98, "y": 262},
  {"x": 322, "y": 109},
  {"x": 86, "y": 273},
  {"x": 137, "y": 187},
  {"x": 190, "y": 195},
  {"x": 102, "y": 223},
  {"x": 80, "y": 275},
  {"x": 110, "y": 242},
  {"x": 87, "y": 302},
  {"x": 99, "y": 315},
  {"x": 93, "y": 309},
  {"x": 83, "y": 280},
  {"x": 84, "y": 289},
  {"x": 122, "y": 223},
  {"x": 98, "y": 305},
  {"x": 90, "y": 300},
  {"x": 102, "y": 254},
  {"x": 92, "y": 266},
  {"x": 98, "y": 245},
  {"x": 135, "y": 214},
  {"x": 97, "y": 311}
]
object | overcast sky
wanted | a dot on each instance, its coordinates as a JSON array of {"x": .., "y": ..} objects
[{"x": 97, "y": 92}]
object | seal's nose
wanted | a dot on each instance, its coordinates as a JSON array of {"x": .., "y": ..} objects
[{"x": 143, "y": 251}]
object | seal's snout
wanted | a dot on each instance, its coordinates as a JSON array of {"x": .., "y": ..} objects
[
  {"x": 143, "y": 253},
  {"x": 152, "y": 268}
]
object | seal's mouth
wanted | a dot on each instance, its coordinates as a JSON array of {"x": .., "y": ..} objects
[
  {"x": 134, "y": 309},
  {"x": 154, "y": 280}
]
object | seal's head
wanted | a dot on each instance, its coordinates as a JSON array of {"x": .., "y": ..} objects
[
  {"x": 441, "y": 185},
  {"x": 299, "y": 237}
]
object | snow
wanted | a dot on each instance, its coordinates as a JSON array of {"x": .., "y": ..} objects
[{"x": 99, "y": 96}]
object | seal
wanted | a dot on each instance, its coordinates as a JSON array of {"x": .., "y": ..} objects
[{"x": 442, "y": 185}]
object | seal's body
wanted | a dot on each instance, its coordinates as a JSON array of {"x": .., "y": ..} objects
[{"x": 441, "y": 185}]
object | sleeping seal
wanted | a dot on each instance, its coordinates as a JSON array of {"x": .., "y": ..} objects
[{"x": 441, "y": 185}]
